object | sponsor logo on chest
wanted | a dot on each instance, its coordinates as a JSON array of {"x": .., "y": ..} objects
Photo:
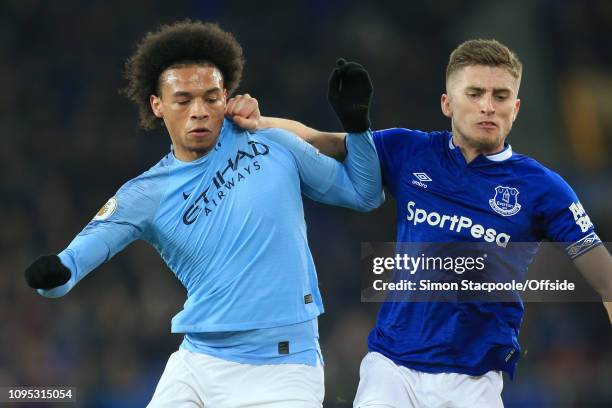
[
  {"x": 229, "y": 176},
  {"x": 455, "y": 223}
]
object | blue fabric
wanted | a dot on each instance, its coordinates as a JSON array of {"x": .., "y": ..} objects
[{"x": 440, "y": 199}]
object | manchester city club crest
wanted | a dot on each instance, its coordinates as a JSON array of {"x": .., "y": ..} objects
[{"x": 505, "y": 201}]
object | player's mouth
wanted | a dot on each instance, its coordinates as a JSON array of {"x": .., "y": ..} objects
[
  {"x": 199, "y": 132},
  {"x": 486, "y": 125}
]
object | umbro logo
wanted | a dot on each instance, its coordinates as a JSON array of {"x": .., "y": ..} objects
[
  {"x": 186, "y": 195},
  {"x": 421, "y": 177}
]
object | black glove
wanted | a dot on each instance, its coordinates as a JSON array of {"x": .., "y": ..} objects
[
  {"x": 47, "y": 272},
  {"x": 350, "y": 94}
]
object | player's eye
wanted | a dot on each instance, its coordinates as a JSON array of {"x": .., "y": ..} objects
[
  {"x": 183, "y": 102},
  {"x": 501, "y": 97},
  {"x": 212, "y": 100}
]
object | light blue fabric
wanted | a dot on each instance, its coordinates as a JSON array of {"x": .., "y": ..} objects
[
  {"x": 261, "y": 346},
  {"x": 230, "y": 225}
]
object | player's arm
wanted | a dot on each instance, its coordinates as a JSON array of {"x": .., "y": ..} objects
[
  {"x": 329, "y": 143},
  {"x": 120, "y": 221},
  {"x": 566, "y": 221},
  {"x": 350, "y": 93},
  {"x": 244, "y": 111},
  {"x": 596, "y": 267},
  {"x": 356, "y": 182}
]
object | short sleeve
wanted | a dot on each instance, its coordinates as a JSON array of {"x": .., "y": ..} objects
[
  {"x": 394, "y": 147},
  {"x": 565, "y": 219},
  {"x": 315, "y": 170}
]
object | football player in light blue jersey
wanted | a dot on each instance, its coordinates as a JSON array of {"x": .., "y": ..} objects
[
  {"x": 224, "y": 210},
  {"x": 464, "y": 186}
]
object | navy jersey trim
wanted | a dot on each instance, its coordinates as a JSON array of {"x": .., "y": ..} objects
[{"x": 583, "y": 245}]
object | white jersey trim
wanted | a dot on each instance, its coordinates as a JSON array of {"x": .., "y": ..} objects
[{"x": 497, "y": 157}]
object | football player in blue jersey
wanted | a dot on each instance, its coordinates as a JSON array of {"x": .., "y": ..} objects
[
  {"x": 224, "y": 210},
  {"x": 466, "y": 185}
]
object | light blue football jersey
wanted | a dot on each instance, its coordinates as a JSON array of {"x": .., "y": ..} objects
[{"x": 231, "y": 227}]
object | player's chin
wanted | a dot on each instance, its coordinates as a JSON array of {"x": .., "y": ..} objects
[
  {"x": 487, "y": 140},
  {"x": 201, "y": 146},
  {"x": 488, "y": 133},
  {"x": 202, "y": 139}
]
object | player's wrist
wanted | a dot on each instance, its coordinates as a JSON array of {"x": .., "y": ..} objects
[
  {"x": 264, "y": 122},
  {"x": 47, "y": 272},
  {"x": 357, "y": 125}
]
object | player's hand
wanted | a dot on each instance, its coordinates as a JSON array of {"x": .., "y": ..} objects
[
  {"x": 47, "y": 272},
  {"x": 244, "y": 111},
  {"x": 350, "y": 94}
]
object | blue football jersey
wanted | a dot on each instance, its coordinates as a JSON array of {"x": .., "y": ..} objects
[{"x": 499, "y": 199}]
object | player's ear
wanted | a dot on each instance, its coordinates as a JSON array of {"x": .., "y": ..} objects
[
  {"x": 517, "y": 106},
  {"x": 445, "y": 105},
  {"x": 156, "y": 106}
]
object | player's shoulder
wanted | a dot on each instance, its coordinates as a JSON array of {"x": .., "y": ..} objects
[
  {"x": 137, "y": 196},
  {"x": 150, "y": 181},
  {"x": 402, "y": 137},
  {"x": 273, "y": 133},
  {"x": 158, "y": 170},
  {"x": 540, "y": 176},
  {"x": 281, "y": 138},
  {"x": 396, "y": 144},
  {"x": 404, "y": 133}
]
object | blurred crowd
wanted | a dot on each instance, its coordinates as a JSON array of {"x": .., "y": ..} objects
[{"x": 69, "y": 141}]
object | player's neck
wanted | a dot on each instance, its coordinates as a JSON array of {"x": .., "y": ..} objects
[
  {"x": 470, "y": 152},
  {"x": 186, "y": 155}
]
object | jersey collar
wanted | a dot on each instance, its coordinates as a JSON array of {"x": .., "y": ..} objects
[{"x": 505, "y": 154}]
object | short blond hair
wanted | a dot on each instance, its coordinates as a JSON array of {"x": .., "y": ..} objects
[{"x": 490, "y": 53}]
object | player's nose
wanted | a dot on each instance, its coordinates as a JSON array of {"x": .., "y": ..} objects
[
  {"x": 199, "y": 109},
  {"x": 486, "y": 105}
]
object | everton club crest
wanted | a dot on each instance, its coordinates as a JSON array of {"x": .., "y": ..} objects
[{"x": 505, "y": 201}]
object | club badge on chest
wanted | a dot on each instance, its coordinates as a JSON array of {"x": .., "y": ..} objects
[{"x": 505, "y": 202}]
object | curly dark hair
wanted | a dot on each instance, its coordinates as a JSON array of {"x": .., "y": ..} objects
[{"x": 179, "y": 43}]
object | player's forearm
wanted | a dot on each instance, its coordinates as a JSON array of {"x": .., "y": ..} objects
[
  {"x": 357, "y": 183},
  {"x": 363, "y": 169},
  {"x": 353, "y": 184},
  {"x": 330, "y": 144},
  {"x": 84, "y": 254},
  {"x": 96, "y": 244},
  {"x": 596, "y": 267},
  {"x": 66, "y": 287},
  {"x": 608, "y": 306}
]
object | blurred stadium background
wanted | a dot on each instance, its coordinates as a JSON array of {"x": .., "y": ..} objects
[{"x": 69, "y": 141}]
